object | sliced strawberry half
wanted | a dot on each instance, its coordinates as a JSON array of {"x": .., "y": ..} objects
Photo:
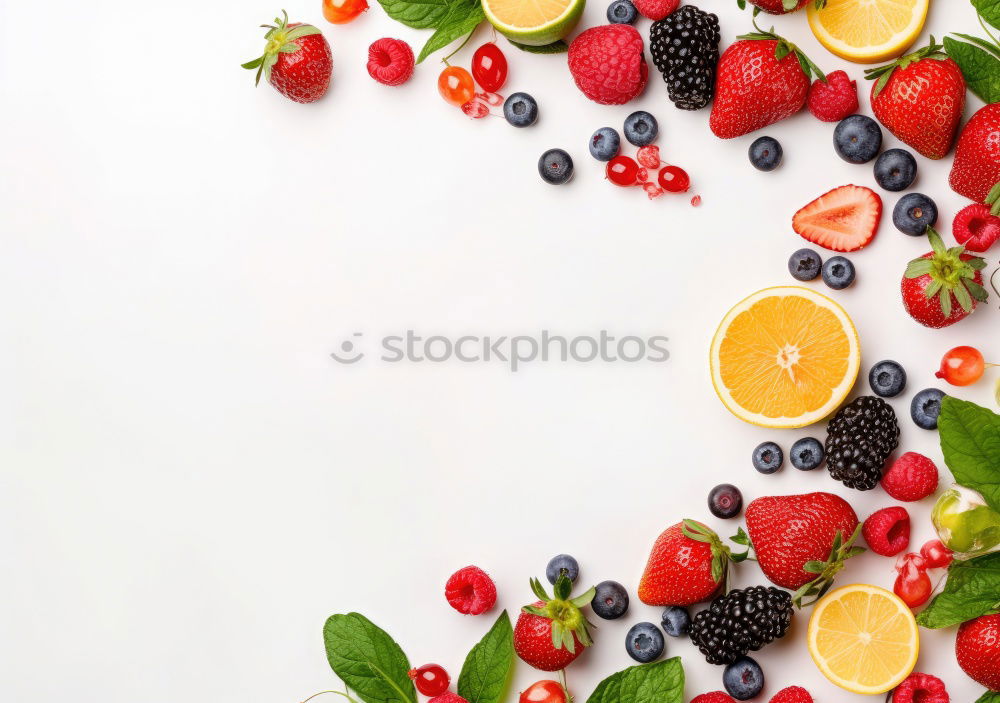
[{"x": 845, "y": 219}]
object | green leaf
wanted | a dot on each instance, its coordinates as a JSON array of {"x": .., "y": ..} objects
[
  {"x": 368, "y": 660},
  {"x": 972, "y": 589},
  {"x": 487, "y": 668},
  {"x": 462, "y": 18},
  {"x": 989, "y": 697},
  {"x": 970, "y": 441},
  {"x": 980, "y": 68},
  {"x": 556, "y": 47},
  {"x": 918, "y": 268},
  {"x": 979, "y": 41},
  {"x": 419, "y": 14},
  {"x": 660, "y": 682},
  {"x": 989, "y": 10}
]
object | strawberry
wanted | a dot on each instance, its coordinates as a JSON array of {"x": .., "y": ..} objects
[
  {"x": 296, "y": 61},
  {"x": 792, "y": 694},
  {"x": 760, "y": 79},
  {"x": 552, "y": 632},
  {"x": 944, "y": 285},
  {"x": 977, "y": 157},
  {"x": 801, "y": 541},
  {"x": 778, "y": 7},
  {"x": 833, "y": 99},
  {"x": 977, "y": 648},
  {"x": 688, "y": 563},
  {"x": 920, "y": 98},
  {"x": 844, "y": 219}
]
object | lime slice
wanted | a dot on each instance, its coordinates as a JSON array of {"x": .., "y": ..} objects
[{"x": 534, "y": 22}]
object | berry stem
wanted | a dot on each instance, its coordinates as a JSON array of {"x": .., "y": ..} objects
[
  {"x": 460, "y": 47},
  {"x": 565, "y": 688},
  {"x": 320, "y": 693}
]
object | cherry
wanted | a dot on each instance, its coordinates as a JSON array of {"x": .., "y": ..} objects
[
  {"x": 544, "y": 691},
  {"x": 622, "y": 171},
  {"x": 962, "y": 366},
  {"x": 674, "y": 179},
  {"x": 914, "y": 588},
  {"x": 430, "y": 679},
  {"x": 489, "y": 67},
  {"x": 343, "y": 11},
  {"x": 936, "y": 555},
  {"x": 456, "y": 86}
]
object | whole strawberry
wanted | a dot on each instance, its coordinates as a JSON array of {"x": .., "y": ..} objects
[
  {"x": 920, "y": 98},
  {"x": 760, "y": 79},
  {"x": 779, "y": 7},
  {"x": 688, "y": 563},
  {"x": 608, "y": 64},
  {"x": 802, "y": 541},
  {"x": 833, "y": 99},
  {"x": 944, "y": 285},
  {"x": 552, "y": 632},
  {"x": 296, "y": 60},
  {"x": 977, "y": 157},
  {"x": 977, "y": 648}
]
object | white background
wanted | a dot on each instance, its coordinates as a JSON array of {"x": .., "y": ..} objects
[{"x": 190, "y": 485}]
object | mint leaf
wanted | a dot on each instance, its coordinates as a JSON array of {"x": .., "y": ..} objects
[
  {"x": 989, "y": 10},
  {"x": 980, "y": 68},
  {"x": 368, "y": 660},
  {"x": 662, "y": 682},
  {"x": 463, "y": 17},
  {"x": 989, "y": 697},
  {"x": 419, "y": 14},
  {"x": 972, "y": 589},
  {"x": 556, "y": 47},
  {"x": 487, "y": 668},
  {"x": 970, "y": 441}
]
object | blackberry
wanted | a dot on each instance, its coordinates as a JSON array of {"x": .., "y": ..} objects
[
  {"x": 859, "y": 439},
  {"x": 744, "y": 620},
  {"x": 685, "y": 49}
]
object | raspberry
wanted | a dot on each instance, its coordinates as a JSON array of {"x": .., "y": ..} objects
[
  {"x": 713, "y": 697},
  {"x": 390, "y": 61},
  {"x": 920, "y": 688},
  {"x": 470, "y": 591},
  {"x": 887, "y": 531},
  {"x": 834, "y": 100},
  {"x": 655, "y": 9},
  {"x": 792, "y": 694},
  {"x": 911, "y": 477},
  {"x": 608, "y": 64},
  {"x": 975, "y": 227}
]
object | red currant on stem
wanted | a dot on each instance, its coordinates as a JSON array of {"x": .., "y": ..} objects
[
  {"x": 913, "y": 587},
  {"x": 544, "y": 691},
  {"x": 456, "y": 86},
  {"x": 622, "y": 170},
  {"x": 430, "y": 679},
  {"x": 343, "y": 11},
  {"x": 674, "y": 179},
  {"x": 489, "y": 67},
  {"x": 936, "y": 555},
  {"x": 962, "y": 366}
]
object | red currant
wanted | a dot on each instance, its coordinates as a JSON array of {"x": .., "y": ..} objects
[
  {"x": 489, "y": 67},
  {"x": 936, "y": 555},
  {"x": 456, "y": 86},
  {"x": 430, "y": 679},
  {"x": 913, "y": 588},
  {"x": 622, "y": 171},
  {"x": 544, "y": 691},
  {"x": 962, "y": 366},
  {"x": 674, "y": 179},
  {"x": 343, "y": 11}
]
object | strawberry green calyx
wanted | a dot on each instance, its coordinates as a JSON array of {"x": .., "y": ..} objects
[
  {"x": 950, "y": 274},
  {"x": 993, "y": 200},
  {"x": 564, "y": 612},
  {"x": 883, "y": 73},
  {"x": 827, "y": 570},
  {"x": 721, "y": 554},
  {"x": 280, "y": 40},
  {"x": 784, "y": 48}
]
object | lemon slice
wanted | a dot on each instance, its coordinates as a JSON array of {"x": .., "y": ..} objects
[
  {"x": 863, "y": 638},
  {"x": 784, "y": 357},
  {"x": 868, "y": 31},
  {"x": 534, "y": 22}
]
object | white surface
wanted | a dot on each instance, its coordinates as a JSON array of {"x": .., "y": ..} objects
[{"x": 190, "y": 486}]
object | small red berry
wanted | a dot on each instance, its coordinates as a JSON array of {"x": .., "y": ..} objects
[
  {"x": 674, "y": 179},
  {"x": 430, "y": 679},
  {"x": 489, "y": 67},
  {"x": 649, "y": 156},
  {"x": 343, "y": 11},
  {"x": 622, "y": 170},
  {"x": 792, "y": 694},
  {"x": 834, "y": 99},
  {"x": 976, "y": 227},
  {"x": 913, "y": 586},
  {"x": 912, "y": 562},
  {"x": 390, "y": 61},
  {"x": 962, "y": 366},
  {"x": 911, "y": 477},
  {"x": 936, "y": 555},
  {"x": 887, "y": 531},
  {"x": 920, "y": 688},
  {"x": 456, "y": 85},
  {"x": 713, "y": 697},
  {"x": 544, "y": 691},
  {"x": 471, "y": 591}
]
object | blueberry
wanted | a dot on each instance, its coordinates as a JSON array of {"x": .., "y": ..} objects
[
  {"x": 807, "y": 454},
  {"x": 640, "y": 128},
  {"x": 725, "y": 501},
  {"x": 925, "y": 408},
  {"x": 895, "y": 169},
  {"x": 765, "y": 153},
  {"x": 644, "y": 642},
  {"x": 743, "y": 679},
  {"x": 887, "y": 379},
  {"x": 622, "y": 12},
  {"x": 520, "y": 109},
  {"x": 559, "y": 563},
  {"x": 555, "y": 166},
  {"x": 914, "y": 213},
  {"x": 604, "y": 144},
  {"x": 610, "y": 600},
  {"x": 676, "y": 621},
  {"x": 857, "y": 139},
  {"x": 838, "y": 272},
  {"x": 767, "y": 457},
  {"x": 804, "y": 265}
]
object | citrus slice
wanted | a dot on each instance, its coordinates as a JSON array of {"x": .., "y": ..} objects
[
  {"x": 784, "y": 357},
  {"x": 534, "y": 22},
  {"x": 863, "y": 638},
  {"x": 868, "y": 31}
]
